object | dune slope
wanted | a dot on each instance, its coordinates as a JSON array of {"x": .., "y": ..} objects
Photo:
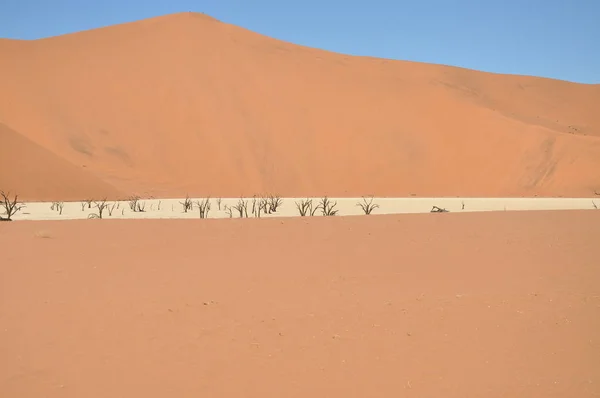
[
  {"x": 186, "y": 104},
  {"x": 33, "y": 172},
  {"x": 448, "y": 305}
]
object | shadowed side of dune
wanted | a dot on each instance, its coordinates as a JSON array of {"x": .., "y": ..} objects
[{"x": 34, "y": 173}]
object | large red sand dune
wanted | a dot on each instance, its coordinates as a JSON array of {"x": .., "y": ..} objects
[
  {"x": 187, "y": 104},
  {"x": 451, "y": 305}
]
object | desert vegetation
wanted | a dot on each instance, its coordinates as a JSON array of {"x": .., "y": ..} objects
[
  {"x": 327, "y": 207},
  {"x": 203, "y": 207},
  {"x": 367, "y": 206},
  {"x": 273, "y": 203},
  {"x": 259, "y": 205},
  {"x": 187, "y": 204},
  {"x": 136, "y": 206},
  {"x": 10, "y": 206},
  {"x": 100, "y": 207},
  {"x": 305, "y": 207},
  {"x": 58, "y": 206},
  {"x": 242, "y": 208}
]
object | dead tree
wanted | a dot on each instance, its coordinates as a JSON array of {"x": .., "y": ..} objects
[
  {"x": 203, "y": 207},
  {"x": 305, "y": 207},
  {"x": 135, "y": 205},
  {"x": 242, "y": 208},
  {"x": 133, "y": 201},
  {"x": 219, "y": 200},
  {"x": 263, "y": 205},
  {"x": 228, "y": 210},
  {"x": 436, "y": 209},
  {"x": 367, "y": 206},
  {"x": 100, "y": 206},
  {"x": 11, "y": 207},
  {"x": 111, "y": 208},
  {"x": 83, "y": 204},
  {"x": 58, "y": 206},
  {"x": 187, "y": 204},
  {"x": 254, "y": 206},
  {"x": 327, "y": 207},
  {"x": 273, "y": 203}
]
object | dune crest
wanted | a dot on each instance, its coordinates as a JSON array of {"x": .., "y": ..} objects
[{"x": 185, "y": 104}]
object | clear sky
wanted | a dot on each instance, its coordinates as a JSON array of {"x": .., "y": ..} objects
[{"x": 550, "y": 38}]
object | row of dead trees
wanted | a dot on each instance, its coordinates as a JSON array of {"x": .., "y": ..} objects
[{"x": 258, "y": 206}]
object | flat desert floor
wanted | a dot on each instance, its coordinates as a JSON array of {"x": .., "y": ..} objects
[{"x": 502, "y": 304}]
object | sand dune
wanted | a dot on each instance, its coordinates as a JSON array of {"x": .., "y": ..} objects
[
  {"x": 184, "y": 104},
  {"x": 470, "y": 305},
  {"x": 31, "y": 169}
]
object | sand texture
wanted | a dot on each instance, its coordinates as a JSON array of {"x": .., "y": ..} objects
[
  {"x": 184, "y": 104},
  {"x": 470, "y": 305}
]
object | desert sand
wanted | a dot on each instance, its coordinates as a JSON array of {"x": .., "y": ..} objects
[
  {"x": 185, "y": 104},
  {"x": 485, "y": 303},
  {"x": 454, "y": 305}
]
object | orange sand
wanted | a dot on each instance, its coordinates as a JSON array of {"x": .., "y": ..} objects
[
  {"x": 429, "y": 305},
  {"x": 185, "y": 104}
]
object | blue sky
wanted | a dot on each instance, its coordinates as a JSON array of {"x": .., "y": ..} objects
[{"x": 551, "y": 38}]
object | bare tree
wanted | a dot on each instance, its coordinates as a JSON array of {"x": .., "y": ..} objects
[
  {"x": 135, "y": 205},
  {"x": 187, "y": 204},
  {"x": 273, "y": 203},
  {"x": 327, "y": 207},
  {"x": 11, "y": 207},
  {"x": 305, "y": 206},
  {"x": 219, "y": 200},
  {"x": 133, "y": 202},
  {"x": 242, "y": 207},
  {"x": 111, "y": 208},
  {"x": 100, "y": 206},
  {"x": 203, "y": 207},
  {"x": 367, "y": 206},
  {"x": 254, "y": 201},
  {"x": 58, "y": 206},
  {"x": 89, "y": 203},
  {"x": 263, "y": 206},
  {"x": 228, "y": 210}
]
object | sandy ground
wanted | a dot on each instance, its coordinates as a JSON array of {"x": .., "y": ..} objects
[
  {"x": 184, "y": 104},
  {"x": 174, "y": 208},
  {"x": 446, "y": 305}
]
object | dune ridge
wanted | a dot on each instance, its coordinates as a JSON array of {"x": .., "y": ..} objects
[{"x": 185, "y": 104}]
